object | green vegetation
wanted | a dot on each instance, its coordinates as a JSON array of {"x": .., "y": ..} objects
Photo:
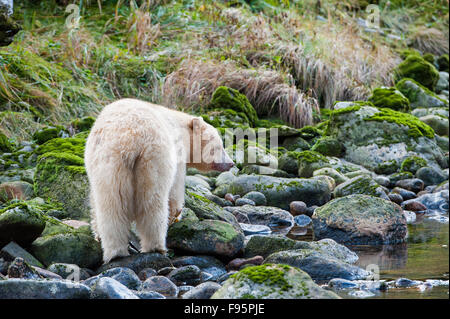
[
  {"x": 418, "y": 69},
  {"x": 390, "y": 98},
  {"x": 413, "y": 164},
  {"x": 416, "y": 127},
  {"x": 269, "y": 274}
]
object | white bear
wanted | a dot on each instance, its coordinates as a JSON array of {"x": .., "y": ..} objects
[{"x": 135, "y": 157}]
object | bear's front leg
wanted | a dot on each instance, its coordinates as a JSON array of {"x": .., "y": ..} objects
[{"x": 176, "y": 196}]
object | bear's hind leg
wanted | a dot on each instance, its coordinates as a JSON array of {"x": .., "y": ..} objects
[
  {"x": 112, "y": 193},
  {"x": 154, "y": 176}
]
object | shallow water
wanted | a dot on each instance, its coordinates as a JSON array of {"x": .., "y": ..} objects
[{"x": 424, "y": 256}]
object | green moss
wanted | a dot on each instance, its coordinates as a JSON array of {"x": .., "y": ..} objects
[
  {"x": 387, "y": 167},
  {"x": 228, "y": 98},
  {"x": 45, "y": 134},
  {"x": 328, "y": 146},
  {"x": 416, "y": 127},
  {"x": 407, "y": 52},
  {"x": 417, "y": 68},
  {"x": 429, "y": 58},
  {"x": 308, "y": 132},
  {"x": 390, "y": 98},
  {"x": 412, "y": 164},
  {"x": 308, "y": 156},
  {"x": 63, "y": 145},
  {"x": 268, "y": 274},
  {"x": 443, "y": 63},
  {"x": 412, "y": 93},
  {"x": 5, "y": 145},
  {"x": 83, "y": 124}
]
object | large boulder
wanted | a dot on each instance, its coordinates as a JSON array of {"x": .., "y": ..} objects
[
  {"x": 211, "y": 237},
  {"x": 21, "y": 223},
  {"x": 271, "y": 281},
  {"x": 318, "y": 264},
  {"x": 420, "y": 70},
  {"x": 71, "y": 247},
  {"x": 280, "y": 191},
  {"x": 61, "y": 176},
  {"x": 42, "y": 289},
  {"x": 360, "y": 219},
  {"x": 373, "y": 136},
  {"x": 418, "y": 95},
  {"x": 391, "y": 98}
]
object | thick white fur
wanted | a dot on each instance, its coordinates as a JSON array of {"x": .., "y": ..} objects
[{"x": 135, "y": 159}]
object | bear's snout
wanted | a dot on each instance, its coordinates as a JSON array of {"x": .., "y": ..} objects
[{"x": 222, "y": 167}]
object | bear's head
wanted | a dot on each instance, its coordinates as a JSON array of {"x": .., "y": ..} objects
[{"x": 206, "y": 148}]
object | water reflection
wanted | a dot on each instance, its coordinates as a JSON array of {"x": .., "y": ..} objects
[{"x": 386, "y": 257}]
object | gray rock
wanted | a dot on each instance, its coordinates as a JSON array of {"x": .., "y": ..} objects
[
  {"x": 279, "y": 192},
  {"x": 302, "y": 220},
  {"x": 139, "y": 262},
  {"x": 244, "y": 201},
  {"x": 202, "y": 291},
  {"x": 69, "y": 271},
  {"x": 257, "y": 197},
  {"x": 339, "y": 284},
  {"x": 147, "y": 273},
  {"x": 149, "y": 295},
  {"x": 250, "y": 229},
  {"x": 360, "y": 185},
  {"x": 360, "y": 219},
  {"x": 42, "y": 289},
  {"x": 13, "y": 250},
  {"x": 108, "y": 288},
  {"x": 21, "y": 224},
  {"x": 405, "y": 194},
  {"x": 207, "y": 264},
  {"x": 442, "y": 83},
  {"x": 264, "y": 215},
  {"x": 319, "y": 265},
  {"x": 161, "y": 285},
  {"x": 271, "y": 281},
  {"x": 413, "y": 184},
  {"x": 213, "y": 237},
  {"x": 434, "y": 202},
  {"x": 420, "y": 96},
  {"x": 125, "y": 276},
  {"x": 431, "y": 176},
  {"x": 186, "y": 275},
  {"x": 438, "y": 124}
]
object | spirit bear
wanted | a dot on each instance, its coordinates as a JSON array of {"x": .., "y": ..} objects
[{"x": 136, "y": 157}]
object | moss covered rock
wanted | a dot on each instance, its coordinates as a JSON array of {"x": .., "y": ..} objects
[
  {"x": 418, "y": 95},
  {"x": 360, "y": 219},
  {"x": 296, "y": 144},
  {"x": 309, "y": 161},
  {"x": 226, "y": 118},
  {"x": 50, "y": 132},
  {"x": 61, "y": 176},
  {"x": 83, "y": 124},
  {"x": 203, "y": 208},
  {"x": 228, "y": 98},
  {"x": 211, "y": 237},
  {"x": 362, "y": 184},
  {"x": 271, "y": 281},
  {"x": 412, "y": 164},
  {"x": 280, "y": 191},
  {"x": 372, "y": 136},
  {"x": 443, "y": 63},
  {"x": 247, "y": 152},
  {"x": 417, "y": 68},
  {"x": 318, "y": 264},
  {"x": 21, "y": 223},
  {"x": 328, "y": 146},
  {"x": 5, "y": 145},
  {"x": 390, "y": 98},
  {"x": 437, "y": 123},
  {"x": 70, "y": 247}
]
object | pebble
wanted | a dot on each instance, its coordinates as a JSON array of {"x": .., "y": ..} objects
[
  {"x": 146, "y": 273},
  {"x": 202, "y": 291},
  {"x": 414, "y": 206},
  {"x": 237, "y": 263},
  {"x": 396, "y": 198},
  {"x": 412, "y": 184},
  {"x": 244, "y": 201},
  {"x": 302, "y": 220},
  {"x": 108, "y": 288},
  {"x": 186, "y": 275},
  {"x": 297, "y": 208},
  {"x": 249, "y": 229},
  {"x": 161, "y": 285},
  {"x": 405, "y": 194},
  {"x": 257, "y": 197}
]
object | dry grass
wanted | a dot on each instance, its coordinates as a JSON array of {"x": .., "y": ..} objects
[
  {"x": 142, "y": 33},
  {"x": 430, "y": 40},
  {"x": 193, "y": 83}
]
